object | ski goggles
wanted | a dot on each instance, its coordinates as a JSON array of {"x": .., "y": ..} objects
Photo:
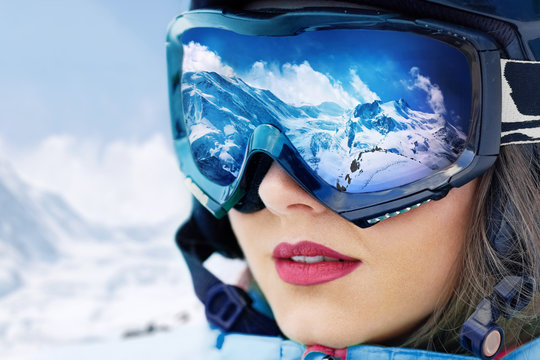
[{"x": 372, "y": 114}]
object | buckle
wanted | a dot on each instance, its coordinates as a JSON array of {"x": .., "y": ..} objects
[
  {"x": 513, "y": 293},
  {"x": 224, "y": 305},
  {"x": 480, "y": 334}
]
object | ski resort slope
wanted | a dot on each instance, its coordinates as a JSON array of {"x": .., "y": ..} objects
[{"x": 68, "y": 284}]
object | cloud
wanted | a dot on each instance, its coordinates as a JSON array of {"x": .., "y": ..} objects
[
  {"x": 198, "y": 57},
  {"x": 115, "y": 183},
  {"x": 435, "y": 96},
  {"x": 298, "y": 84},
  {"x": 362, "y": 90}
]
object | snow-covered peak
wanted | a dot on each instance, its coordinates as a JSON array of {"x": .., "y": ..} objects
[
  {"x": 368, "y": 110},
  {"x": 24, "y": 232},
  {"x": 402, "y": 107},
  {"x": 388, "y": 144}
]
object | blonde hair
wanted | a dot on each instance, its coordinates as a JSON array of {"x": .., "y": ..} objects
[{"x": 514, "y": 179}]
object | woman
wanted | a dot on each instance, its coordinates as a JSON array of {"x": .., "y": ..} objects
[{"x": 318, "y": 133}]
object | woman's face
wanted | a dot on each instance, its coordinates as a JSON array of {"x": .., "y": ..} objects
[{"x": 403, "y": 267}]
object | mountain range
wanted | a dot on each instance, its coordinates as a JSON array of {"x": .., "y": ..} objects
[{"x": 373, "y": 146}]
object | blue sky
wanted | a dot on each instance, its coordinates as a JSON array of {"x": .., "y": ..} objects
[
  {"x": 391, "y": 65},
  {"x": 91, "y": 68},
  {"x": 84, "y": 108}
]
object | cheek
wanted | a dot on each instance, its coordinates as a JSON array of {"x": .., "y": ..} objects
[
  {"x": 418, "y": 270},
  {"x": 420, "y": 250},
  {"x": 254, "y": 233}
]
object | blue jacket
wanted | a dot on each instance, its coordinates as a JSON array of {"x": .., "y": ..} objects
[{"x": 216, "y": 345}]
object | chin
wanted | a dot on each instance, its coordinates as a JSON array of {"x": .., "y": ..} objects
[
  {"x": 338, "y": 329},
  {"x": 317, "y": 329},
  {"x": 330, "y": 338}
]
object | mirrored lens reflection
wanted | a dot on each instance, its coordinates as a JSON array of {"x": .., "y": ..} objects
[{"x": 367, "y": 110}]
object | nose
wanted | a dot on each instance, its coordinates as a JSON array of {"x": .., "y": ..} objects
[{"x": 283, "y": 196}]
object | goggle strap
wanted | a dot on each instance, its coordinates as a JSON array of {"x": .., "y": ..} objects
[{"x": 520, "y": 102}]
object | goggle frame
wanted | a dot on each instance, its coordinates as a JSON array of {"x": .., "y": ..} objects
[{"x": 364, "y": 209}]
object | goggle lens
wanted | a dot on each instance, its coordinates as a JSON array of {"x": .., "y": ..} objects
[{"x": 367, "y": 110}]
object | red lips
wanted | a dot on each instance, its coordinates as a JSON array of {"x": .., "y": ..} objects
[{"x": 315, "y": 263}]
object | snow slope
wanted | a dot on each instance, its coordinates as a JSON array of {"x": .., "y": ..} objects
[{"x": 66, "y": 282}]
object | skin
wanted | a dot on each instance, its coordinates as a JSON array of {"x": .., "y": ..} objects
[{"x": 408, "y": 264}]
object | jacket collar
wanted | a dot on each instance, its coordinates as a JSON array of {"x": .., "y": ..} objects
[{"x": 241, "y": 346}]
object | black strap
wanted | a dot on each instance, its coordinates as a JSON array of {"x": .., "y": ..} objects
[
  {"x": 520, "y": 102},
  {"x": 227, "y": 307}
]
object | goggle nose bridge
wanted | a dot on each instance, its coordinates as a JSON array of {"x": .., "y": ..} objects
[
  {"x": 268, "y": 139},
  {"x": 271, "y": 141}
]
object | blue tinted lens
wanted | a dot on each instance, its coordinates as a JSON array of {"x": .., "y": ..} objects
[{"x": 367, "y": 110}]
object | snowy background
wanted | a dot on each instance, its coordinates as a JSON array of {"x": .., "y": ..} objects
[{"x": 90, "y": 194}]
